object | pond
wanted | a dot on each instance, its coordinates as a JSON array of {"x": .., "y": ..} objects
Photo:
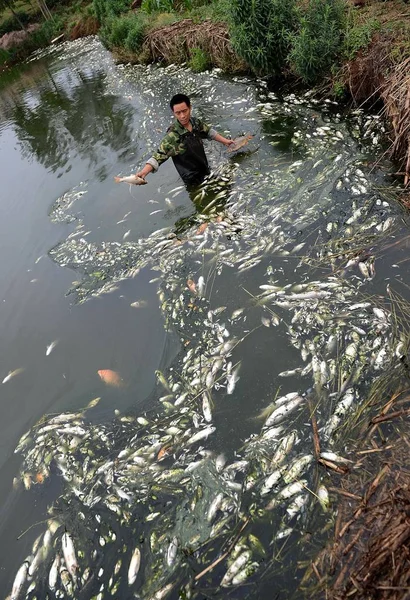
[{"x": 164, "y": 353}]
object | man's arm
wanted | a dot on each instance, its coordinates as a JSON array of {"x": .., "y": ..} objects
[
  {"x": 148, "y": 168},
  {"x": 168, "y": 147},
  {"x": 212, "y": 134},
  {"x": 222, "y": 140}
]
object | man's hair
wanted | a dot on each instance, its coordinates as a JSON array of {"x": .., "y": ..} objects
[{"x": 179, "y": 99}]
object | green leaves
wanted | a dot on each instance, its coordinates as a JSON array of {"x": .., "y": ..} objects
[
  {"x": 260, "y": 32},
  {"x": 318, "y": 40}
]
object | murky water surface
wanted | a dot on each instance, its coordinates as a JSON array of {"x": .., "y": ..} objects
[{"x": 270, "y": 285}]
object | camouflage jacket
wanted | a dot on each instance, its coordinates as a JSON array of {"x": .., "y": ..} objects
[{"x": 185, "y": 148}]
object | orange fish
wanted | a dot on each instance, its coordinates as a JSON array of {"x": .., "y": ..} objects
[
  {"x": 201, "y": 228},
  {"x": 110, "y": 377},
  {"x": 191, "y": 285},
  {"x": 164, "y": 452}
]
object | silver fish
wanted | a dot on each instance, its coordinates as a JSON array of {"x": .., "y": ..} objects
[{"x": 133, "y": 179}]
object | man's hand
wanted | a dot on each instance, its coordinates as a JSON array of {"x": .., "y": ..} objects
[
  {"x": 228, "y": 142},
  {"x": 147, "y": 168}
]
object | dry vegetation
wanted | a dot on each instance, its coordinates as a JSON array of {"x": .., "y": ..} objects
[
  {"x": 369, "y": 555},
  {"x": 382, "y": 71},
  {"x": 176, "y": 42}
]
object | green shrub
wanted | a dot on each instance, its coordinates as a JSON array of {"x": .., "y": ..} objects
[
  {"x": 260, "y": 32},
  {"x": 359, "y": 37},
  {"x": 136, "y": 32},
  {"x": 56, "y": 3},
  {"x": 12, "y": 24},
  {"x": 199, "y": 60},
  {"x": 4, "y": 56},
  {"x": 115, "y": 31},
  {"x": 105, "y": 9},
  {"x": 220, "y": 10},
  {"x": 150, "y": 6},
  {"x": 126, "y": 31},
  {"x": 318, "y": 41},
  {"x": 90, "y": 10},
  {"x": 217, "y": 10},
  {"x": 46, "y": 32}
]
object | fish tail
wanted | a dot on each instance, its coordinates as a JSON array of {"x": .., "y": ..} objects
[{"x": 117, "y": 179}]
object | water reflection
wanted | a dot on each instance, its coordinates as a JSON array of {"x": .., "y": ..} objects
[{"x": 73, "y": 118}]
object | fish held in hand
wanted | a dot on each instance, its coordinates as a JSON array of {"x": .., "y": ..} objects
[
  {"x": 239, "y": 142},
  {"x": 133, "y": 179},
  {"x": 110, "y": 377}
]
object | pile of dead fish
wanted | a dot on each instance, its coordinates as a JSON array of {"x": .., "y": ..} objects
[{"x": 150, "y": 507}]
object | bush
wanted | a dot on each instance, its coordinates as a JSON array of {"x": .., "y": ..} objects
[
  {"x": 199, "y": 60},
  {"x": 217, "y": 11},
  {"x": 12, "y": 24},
  {"x": 106, "y": 9},
  {"x": 44, "y": 34},
  {"x": 150, "y": 6},
  {"x": 114, "y": 32},
  {"x": 358, "y": 37},
  {"x": 127, "y": 31},
  {"x": 318, "y": 41},
  {"x": 136, "y": 33},
  {"x": 4, "y": 56},
  {"x": 260, "y": 32}
]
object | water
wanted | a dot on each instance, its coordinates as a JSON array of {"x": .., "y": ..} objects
[{"x": 71, "y": 120}]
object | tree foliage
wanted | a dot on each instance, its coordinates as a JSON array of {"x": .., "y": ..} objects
[{"x": 260, "y": 32}]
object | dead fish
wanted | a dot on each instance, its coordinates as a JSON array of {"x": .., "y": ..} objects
[
  {"x": 133, "y": 179},
  {"x": 191, "y": 285},
  {"x": 201, "y": 285},
  {"x": 110, "y": 377},
  {"x": 51, "y": 347},
  {"x": 139, "y": 304},
  {"x": 239, "y": 142},
  {"x": 134, "y": 566},
  {"x": 201, "y": 228},
  {"x": 12, "y": 374},
  {"x": 69, "y": 554},
  {"x": 19, "y": 581}
]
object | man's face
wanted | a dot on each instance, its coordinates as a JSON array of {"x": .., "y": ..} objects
[{"x": 182, "y": 113}]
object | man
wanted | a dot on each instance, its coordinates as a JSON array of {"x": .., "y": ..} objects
[{"x": 183, "y": 143}]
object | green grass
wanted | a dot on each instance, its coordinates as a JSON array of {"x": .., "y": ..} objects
[{"x": 200, "y": 60}]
